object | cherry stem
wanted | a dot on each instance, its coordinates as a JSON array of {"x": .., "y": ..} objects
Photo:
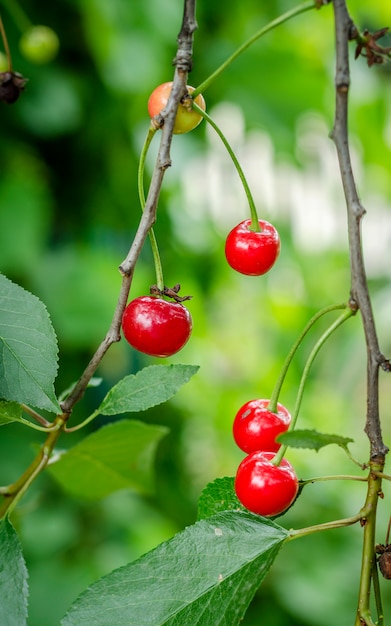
[
  {"x": 255, "y": 226},
  {"x": 151, "y": 233},
  {"x": 341, "y": 523},
  {"x": 280, "y": 380},
  {"x": 6, "y": 46},
  {"x": 316, "y": 479},
  {"x": 82, "y": 424},
  {"x": 338, "y": 322},
  {"x": 42, "y": 429},
  {"x": 301, "y": 8}
]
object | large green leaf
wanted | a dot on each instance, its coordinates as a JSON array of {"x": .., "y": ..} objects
[
  {"x": 13, "y": 578},
  {"x": 28, "y": 349},
  {"x": 117, "y": 456},
  {"x": 204, "y": 576},
  {"x": 151, "y": 386}
]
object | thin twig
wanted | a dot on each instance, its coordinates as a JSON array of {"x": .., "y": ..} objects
[{"x": 163, "y": 161}]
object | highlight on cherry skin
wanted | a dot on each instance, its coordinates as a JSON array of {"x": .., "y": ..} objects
[
  {"x": 155, "y": 326},
  {"x": 186, "y": 119},
  {"x": 255, "y": 427},
  {"x": 264, "y": 488},
  {"x": 252, "y": 252}
]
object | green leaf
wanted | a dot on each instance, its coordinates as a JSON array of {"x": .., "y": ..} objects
[
  {"x": 151, "y": 386},
  {"x": 9, "y": 412},
  {"x": 117, "y": 456},
  {"x": 13, "y": 578},
  {"x": 204, "y": 576},
  {"x": 218, "y": 496},
  {"x": 312, "y": 439},
  {"x": 28, "y": 349}
]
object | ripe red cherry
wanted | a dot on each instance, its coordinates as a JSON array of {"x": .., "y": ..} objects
[
  {"x": 186, "y": 119},
  {"x": 264, "y": 488},
  {"x": 256, "y": 428},
  {"x": 155, "y": 326},
  {"x": 252, "y": 252}
]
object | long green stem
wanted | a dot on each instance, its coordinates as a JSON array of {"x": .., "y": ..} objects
[
  {"x": 310, "y": 530},
  {"x": 301, "y": 8},
  {"x": 151, "y": 234},
  {"x": 342, "y": 318},
  {"x": 280, "y": 380},
  {"x": 253, "y": 211}
]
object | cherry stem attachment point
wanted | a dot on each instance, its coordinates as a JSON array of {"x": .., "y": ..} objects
[
  {"x": 255, "y": 226},
  {"x": 151, "y": 234},
  {"x": 338, "y": 322},
  {"x": 301, "y": 8}
]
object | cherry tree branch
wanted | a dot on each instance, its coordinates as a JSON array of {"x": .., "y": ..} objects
[
  {"x": 360, "y": 298},
  {"x": 183, "y": 63}
]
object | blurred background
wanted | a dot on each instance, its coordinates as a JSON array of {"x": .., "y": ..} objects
[{"x": 69, "y": 209}]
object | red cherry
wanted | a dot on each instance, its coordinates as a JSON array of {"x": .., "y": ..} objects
[
  {"x": 186, "y": 118},
  {"x": 256, "y": 428},
  {"x": 252, "y": 252},
  {"x": 264, "y": 488},
  {"x": 155, "y": 326}
]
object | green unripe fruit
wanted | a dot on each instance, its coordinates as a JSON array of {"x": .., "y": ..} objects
[{"x": 39, "y": 44}]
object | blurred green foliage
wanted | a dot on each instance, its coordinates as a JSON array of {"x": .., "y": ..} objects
[{"x": 69, "y": 209}]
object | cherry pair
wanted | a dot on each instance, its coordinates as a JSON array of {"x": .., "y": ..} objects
[{"x": 262, "y": 486}]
